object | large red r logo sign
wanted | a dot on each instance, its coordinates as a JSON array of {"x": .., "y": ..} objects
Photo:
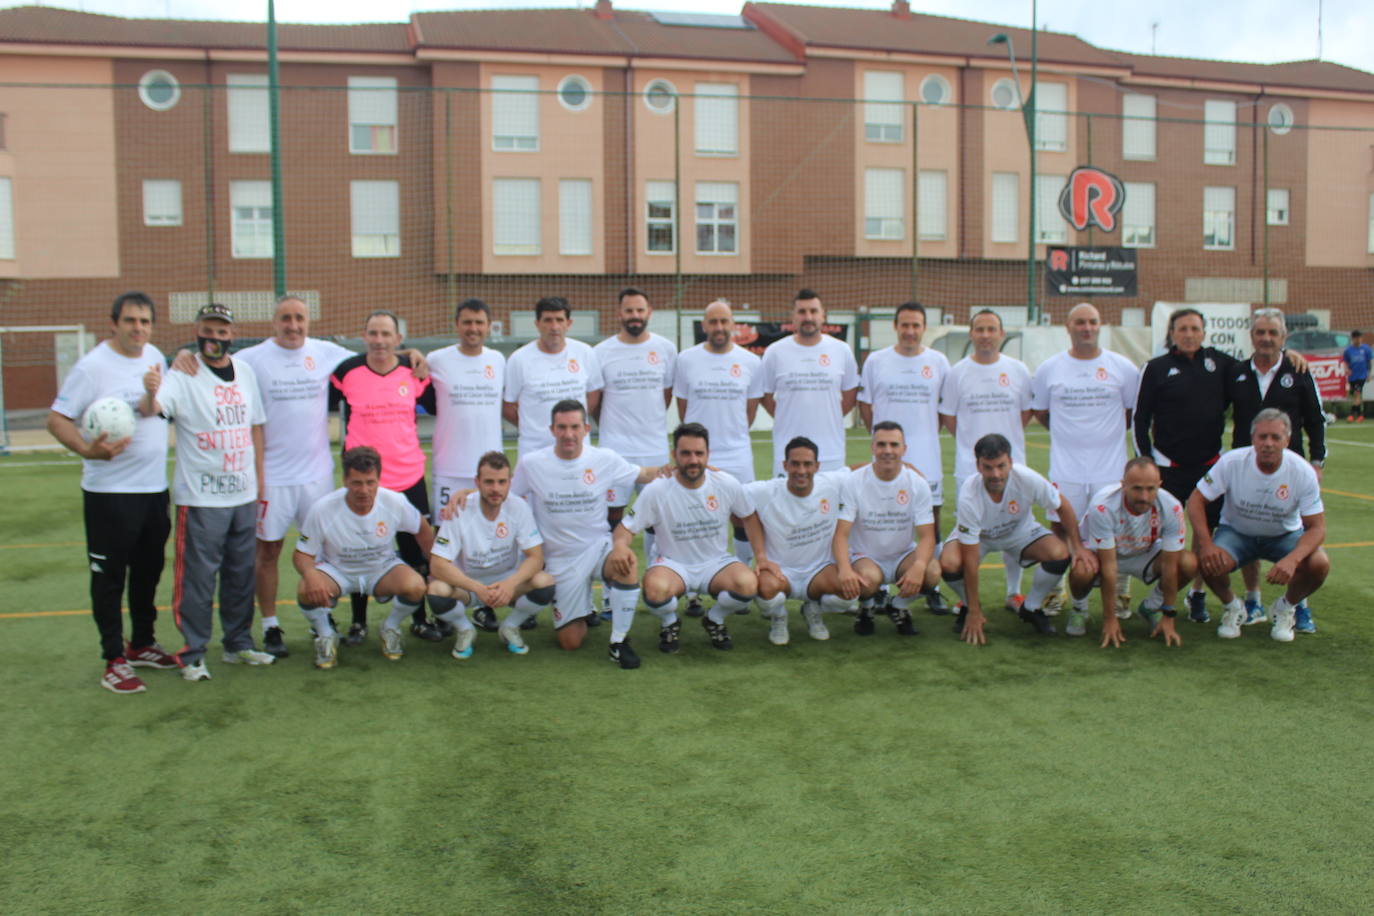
[{"x": 1092, "y": 197}]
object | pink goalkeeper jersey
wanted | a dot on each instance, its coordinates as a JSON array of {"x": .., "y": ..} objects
[{"x": 381, "y": 413}]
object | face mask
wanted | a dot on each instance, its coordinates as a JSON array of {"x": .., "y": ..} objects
[{"x": 212, "y": 347}]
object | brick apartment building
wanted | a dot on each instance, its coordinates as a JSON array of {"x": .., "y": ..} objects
[{"x": 510, "y": 154}]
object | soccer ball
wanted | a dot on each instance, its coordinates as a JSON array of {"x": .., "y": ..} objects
[{"x": 111, "y": 416}]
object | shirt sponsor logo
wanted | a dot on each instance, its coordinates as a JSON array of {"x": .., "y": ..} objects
[
  {"x": 501, "y": 530},
  {"x": 825, "y": 359},
  {"x": 310, "y": 363},
  {"x": 381, "y": 529},
  {"x": 1282, "y": 491},
  {"x": 903, "y": 497},
  {"x": 1101, "y": 374},
  {"x": 736, "y": 371},
  {"x": 572, "y": 366},
  {"x": 712, "y": 503},
  {"x": 1013, "y": 507}
]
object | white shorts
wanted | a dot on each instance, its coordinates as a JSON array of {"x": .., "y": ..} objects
[
  {"x": 799, "y": 579},
  {"x": 1078, "y": 495},
  {"x": 288, "y": 505},
  {"x": 1011, "y": 545},
  {"x": 696, "y": 576},
  {"x": 572, "y": 580},
  {"x": 492, "y": 576},
  {"x": 361, "y": 583},
  {"x": 445, "y": 487},
  {"x": 1142, "y": 566},
  {"x": 887, "y": 567}
]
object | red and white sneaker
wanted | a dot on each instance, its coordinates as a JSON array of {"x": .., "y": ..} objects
[
  {"x": 120, "y": 678},
  {"x": 153, "y": 656}
]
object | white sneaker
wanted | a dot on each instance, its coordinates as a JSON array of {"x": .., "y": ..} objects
[
  {"x": 462, "y": 646},
  {"x": 1078, "y": 623},
  {"x": 1232, "y": 617},
  {"x": 327, "y": 651},
  {"x": 248, "y": 657},
  {"x": 391, "y": 643},
  {"x": 196, "y": 672},
  {"x": 515, "y": 644},
  {"x": 811, "y": 613},
  {"x": 1283, "y": 614},
  {"x": 777, "y": 630}
]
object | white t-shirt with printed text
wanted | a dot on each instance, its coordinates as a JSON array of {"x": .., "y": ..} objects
[
  {"x": 106, "y": 373},
  {"x": 907, "y": 389},
  {"x": 806, "y": 384},
  {"x": 885, "y": 513},
  {"x": 569, "y": 497},
  {"x": 467, "y": 394},
  {"x": 478, "y": 545},
  {"x": 295, "y": 396},
  {"x": 357, "y": 545},
  {"x": 1259, "y": 504},
  {"x": 986, "y": 399},
  {"x": 691, "y": 526},
  {"x": 798, "y": 530},
  {"x": 1110, "y": 525},
  {"x": 632, "y": 419},
  {"x": 536, "y": 381},
  {"x": 981, "y": 519},
  {"x": 718, "y": 388},
  {"x": 1087, "y": 400},
  {"x": 214, "y": 430}
]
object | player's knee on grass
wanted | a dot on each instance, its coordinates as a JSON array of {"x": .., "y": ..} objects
[{"x": 570, "y": 636}]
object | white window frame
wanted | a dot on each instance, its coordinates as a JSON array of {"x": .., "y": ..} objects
[
  {"x": 145, "y": 88},
  {"x": 1052, "y": 126},
  {"x": 1280, "y": 118},
  {"x": 1219, "y": 132},
  {"x": 1009, "y": 85},
  {"x": 372, "y": 103},
  {"x": 1138, "y": 127},
  {"x": 1219, "y": 218},
  {"x": 1050, "y": 226},
  {"x": 884, "y": 116},
  {"x": 941, "y": 84},
  {"x": 932, "y": 205},
  {"x": 884, "y": 204},
  {"x": 1004, "y": 210},
  {"x": 162, "y": 202},
  {"x": 375, "y": 211},
  {"x": 250, "y": 125},
  {"x": 723, "y": 214},
  {"x": 250, "y": 219},
  {"x": 657, "y": 194},
  {"x": 575, "y": 223},
  {"x": 1276, "y": 206},
  {"x": 1137, "y": 217},
  {"x": 575, "y": 79},
  {"x": 652, "y": 90},
  {"x": 7, "y": 238},
  {"x": 516, "y": 234},
  {"x": 515, "y": 109},
  {"x": 715, "y": 117}
]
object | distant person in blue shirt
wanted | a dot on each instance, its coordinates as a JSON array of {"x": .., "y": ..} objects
[{"x": 1356, "y": 358}]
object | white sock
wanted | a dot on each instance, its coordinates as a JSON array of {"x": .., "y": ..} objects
[
  {"x": 665, "y": 612},
  {"x": 775, "y": 607},
  {"x": 1155, "y": 599},
  {"x": 400, "y": 610},
  {"x": 1080, "y": 604},
  {"x": 834, "y": 604},
  {"x": 1254, "y": 596},
  {"x": 1042, "y": 583},
  {"x": 622, "y": 602},
  {"x": 957, "y": 586},
  {"x": 523, "y": 610},
  {"x": 1013, "y": 571},
  {"x": 726, "y": 603},
  {"x": 269, "y": 622},
  {"x": 319, "y": 619}
]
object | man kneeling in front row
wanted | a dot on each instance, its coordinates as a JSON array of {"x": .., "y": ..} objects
[
  {"x": 1136, "y": 529},
  {"x": 346, "y": 545},
  {"x": 1273, "y": 511},
  {"x": 491, "y": 554}
]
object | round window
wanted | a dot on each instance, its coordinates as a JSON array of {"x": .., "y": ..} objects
[
  {"x": 935, "y": 90},
  {"x": 574, "y": 93},
  {"x": 1280, "y": 118},
  {"x": 660, "y": 96},
  {"x": 159, "y": 90},
  {"x": 1005, "y": 94}
]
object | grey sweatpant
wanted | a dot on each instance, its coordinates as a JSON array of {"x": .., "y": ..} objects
[{"x": 214, "y": 540}]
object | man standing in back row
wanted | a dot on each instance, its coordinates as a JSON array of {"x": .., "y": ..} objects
[
  {"x": 547, "y": 370},
  {"x": 810, "y": 382}
]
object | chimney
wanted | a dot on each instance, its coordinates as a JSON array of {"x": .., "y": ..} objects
[
  {"x": 900, "y": 8},
  {"x": 603, "y": 10}
]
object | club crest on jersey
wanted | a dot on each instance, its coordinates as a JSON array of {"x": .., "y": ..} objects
[
  {"x": 381, "y": 529},
  {"x": 1003, "y": 380},
  {"x": 1101, "y": 374},
  {"x": 712, "y": 503},
  {"x": 310, "y": 363},
  {"x": 736, "y": 371},
  {"x": 927, "y": 372},
  {"x": 903, "y": 497},
  {"x": 572, "y": 366},
  {"x": 824, "y": 360},
  {"x": 1282, "y": 491},
  {"x": 501, "y": 530},
  {"x": 653, "y": 357},
  {"x": 1286, "y": 381},
  {"x": 824, "y": 507},
  {"x": 1209, "y": 364},
  {"x": 589, "y": 476},
  {"x": 610, "y": 496},
  {"x": 1013, "y": 507},
  {"x": 403, "y": 390},
  {"x": 489, "y": 371}
]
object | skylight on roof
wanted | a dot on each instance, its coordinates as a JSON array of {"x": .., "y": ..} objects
[{"x": 702, "y": 20}]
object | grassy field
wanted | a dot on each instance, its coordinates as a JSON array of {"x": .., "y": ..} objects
[{"x": 861, "y": 775}]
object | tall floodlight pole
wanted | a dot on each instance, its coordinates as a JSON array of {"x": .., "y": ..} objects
[
  {"x": 1028, "y": 118},
  {"x": 274, "y": 128}
]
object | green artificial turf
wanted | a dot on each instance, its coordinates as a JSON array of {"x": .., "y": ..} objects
[{"x": 861, "y": 775}]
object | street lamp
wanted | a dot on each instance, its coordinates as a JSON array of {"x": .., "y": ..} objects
[{"x": 1028, "y": 117}]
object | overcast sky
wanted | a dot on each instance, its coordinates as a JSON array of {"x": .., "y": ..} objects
[{"x": 1264, "y": 31}]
